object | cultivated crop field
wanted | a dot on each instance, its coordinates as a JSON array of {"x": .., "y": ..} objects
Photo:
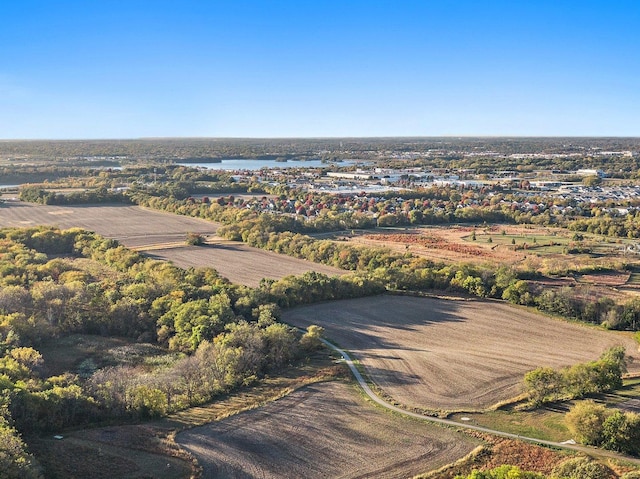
[
  {"x": 323, "y": 430},
  {"x": 163, "y": 235},
  {"x": 454, "y": 354},
  {"x": 131, "y": 225},
  {"x": 238, "y": 262}
]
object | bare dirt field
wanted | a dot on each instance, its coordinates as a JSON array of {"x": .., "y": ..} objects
[
  {"x": 133, "y": 226},
  {"x": 78, "y": 456},
  {"x": 323, "y": 430},
  {"x": 162, "y": 235},
  {"x": 446, "y": 354},
  {"x": 238, "y": 262}
]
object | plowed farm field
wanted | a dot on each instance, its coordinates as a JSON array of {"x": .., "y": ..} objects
[
  {"x": 323, "y": 430},
  {"x": 454, "y": 354},
  {"x": 162, "y": 235}
]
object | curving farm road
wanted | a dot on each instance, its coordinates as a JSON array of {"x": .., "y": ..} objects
[{"x": 369, "y": 392}]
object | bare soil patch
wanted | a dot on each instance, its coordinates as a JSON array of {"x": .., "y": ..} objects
[
  {"x": 238, "y": 262},
  {"x": 128, "y": 452},
  {"x": 131, "y": 225},
  {"x": 439, "y": 354},
  {"x": 323, "y": 430},
  {"x": 162, "y": 235}
]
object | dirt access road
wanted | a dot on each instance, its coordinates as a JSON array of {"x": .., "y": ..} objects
[{"x": 162, "y": 236}]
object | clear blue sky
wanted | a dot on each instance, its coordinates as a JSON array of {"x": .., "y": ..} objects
[{"x": 128, "y": 68}]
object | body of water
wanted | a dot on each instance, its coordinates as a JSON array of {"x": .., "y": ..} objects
[{"x": 249, "y": 164}]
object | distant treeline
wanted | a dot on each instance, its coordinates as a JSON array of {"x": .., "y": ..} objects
[{"x": 569, "y": 153}]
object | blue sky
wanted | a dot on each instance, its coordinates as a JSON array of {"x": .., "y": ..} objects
[{"x": 128, "y": 68}]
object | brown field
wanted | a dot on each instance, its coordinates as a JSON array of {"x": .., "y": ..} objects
[
  {"x": 141, "y": 455},
  {"x": 238, "y": 262},
  {"x": 133, "y": 226},
  {"x": 449, "y": 244},
  {"x": 439, "y": 354},
  {"x": 323, "y": 430},
  {"x": 162, "y": 235}
]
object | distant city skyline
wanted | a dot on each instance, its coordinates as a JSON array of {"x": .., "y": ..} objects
[{"x": 285, "y": 69}]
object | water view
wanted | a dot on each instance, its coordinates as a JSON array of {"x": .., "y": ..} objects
[{"x": 256, "y": 164}]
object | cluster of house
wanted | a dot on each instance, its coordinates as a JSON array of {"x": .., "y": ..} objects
[{"x": 375, "y": 179}]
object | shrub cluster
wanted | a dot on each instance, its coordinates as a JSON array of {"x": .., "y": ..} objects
[
  {"x": 547, "y": 384},
  {"x": 594, "y": 424}
]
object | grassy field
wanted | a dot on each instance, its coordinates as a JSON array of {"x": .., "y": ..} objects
[
  {"x": 544, "y": 423},
  {"x": 548, "y": 422},
  {"x": 162, "y": 235},
  {"x": 532, "y": 243},
  {"x": 497, "y": 243},
  {"x": 324, "y": 430},
  {"x": 438, "y": 354}
]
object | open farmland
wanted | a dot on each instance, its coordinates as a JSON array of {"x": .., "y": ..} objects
[
  {"x": 162, "y": 235},
  {"x": 445, "y": 354},
  {"x": 131, "y": 225},
  {"x": 323, "y": 430},
  {"x": 238, "y": 262}
]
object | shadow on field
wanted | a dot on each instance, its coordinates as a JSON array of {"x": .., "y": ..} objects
[
  {"x": 16, "y": 204},
  {"x": 224, "y": 246},
  {"x": 392, "y": 377},
  {"x": 356, "y": 323}
]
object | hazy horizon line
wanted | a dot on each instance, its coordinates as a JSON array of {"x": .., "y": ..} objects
[{"x": 153, "y": 138}]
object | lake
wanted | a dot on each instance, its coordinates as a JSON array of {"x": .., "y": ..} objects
[{"x": 251, "y": 164}]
